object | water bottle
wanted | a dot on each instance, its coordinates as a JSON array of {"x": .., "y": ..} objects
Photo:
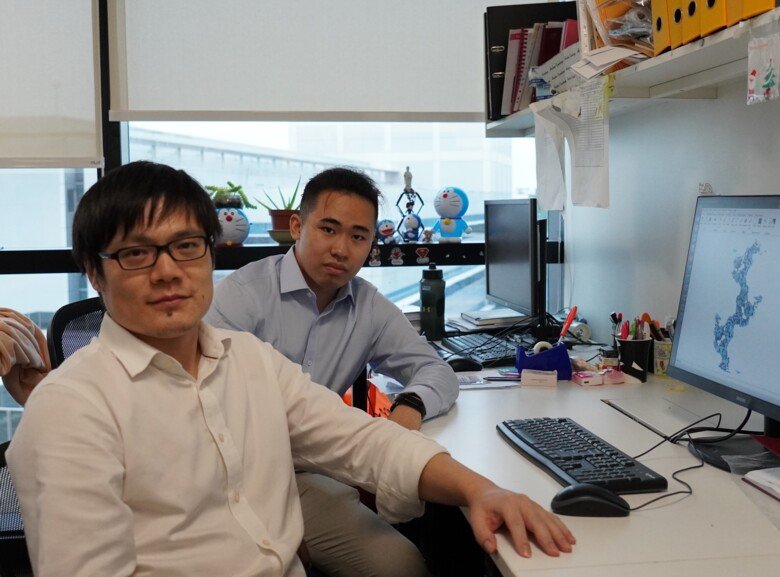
[{"x": 432, "y": 303}]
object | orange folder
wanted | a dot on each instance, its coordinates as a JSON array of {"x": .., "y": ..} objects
[
  {"x": 713, "y": 15},
  {"x": 691, "y": 20},
  {"x": 733, "y": 12},
  {"x": 660, "y": 12},
  {"x": 752, "y": 8},
  {"x": 675, "y": 22}
]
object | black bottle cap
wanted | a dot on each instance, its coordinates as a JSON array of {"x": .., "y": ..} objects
[{"x": 432, "y": 272}]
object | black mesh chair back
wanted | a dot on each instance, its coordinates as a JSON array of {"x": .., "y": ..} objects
[
  {"x": 73, "y": 326},
  {"x": 14, "y": 560}
]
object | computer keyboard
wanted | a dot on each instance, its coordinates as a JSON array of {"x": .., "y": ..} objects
[
  {"x": 573, "y": 454},
  {"x": 483, "y": 347}
]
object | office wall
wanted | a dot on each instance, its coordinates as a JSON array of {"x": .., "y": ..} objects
[{"x": 630, "y": 257}]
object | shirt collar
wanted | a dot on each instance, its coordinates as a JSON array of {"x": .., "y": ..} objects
[
  {"x": 136, "y": 355},
  {"x": 291, "y": 278}
]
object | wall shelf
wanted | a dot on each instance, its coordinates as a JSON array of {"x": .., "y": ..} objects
[{"x": 694, "y": 70}]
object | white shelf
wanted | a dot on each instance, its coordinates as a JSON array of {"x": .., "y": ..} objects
[{"x": 694, "y": 70}]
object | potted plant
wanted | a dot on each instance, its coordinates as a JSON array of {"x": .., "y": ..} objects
[
  {"x": 281, "y": 212},
  {"x": 229, "y": 201}
]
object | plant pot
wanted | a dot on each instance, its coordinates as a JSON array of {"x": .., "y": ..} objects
[{"x": 280, "y": 219}]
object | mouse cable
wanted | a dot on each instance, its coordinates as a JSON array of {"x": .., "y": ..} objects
[{"x": 688, "y": 489}]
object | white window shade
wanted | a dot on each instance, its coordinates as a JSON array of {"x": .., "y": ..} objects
[
  {"x": 297, "y": 60},
  {"x": 49, "y": 84}
]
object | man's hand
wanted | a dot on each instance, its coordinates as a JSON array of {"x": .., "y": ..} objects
[
  {"x": 445, "y": 480},
  {"x": 406, "y": 417},
  {"x": 495, "y": 507}
]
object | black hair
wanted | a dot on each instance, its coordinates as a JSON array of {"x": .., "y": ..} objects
[
  {"x": 136, "y": 194},
  {"x": 340, "y": 179}
]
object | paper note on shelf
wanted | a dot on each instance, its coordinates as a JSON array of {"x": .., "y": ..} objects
[
  {"x": 767, "y": 480},
  {"x": 597, "y": 61}
]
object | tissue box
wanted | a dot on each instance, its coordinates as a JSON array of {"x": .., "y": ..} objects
[{"x": 537, "y": 378}]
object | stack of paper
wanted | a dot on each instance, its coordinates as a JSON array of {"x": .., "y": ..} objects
[
  {"x": 597, "y": 61},
  {"x": 767, "y": 480}
]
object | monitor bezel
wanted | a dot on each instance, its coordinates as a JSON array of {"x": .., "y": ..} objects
[
  {"x": 749, "y": 401},
  {"x": 534, "y": 257}
]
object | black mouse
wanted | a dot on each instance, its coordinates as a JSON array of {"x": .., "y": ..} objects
[
  {"x": 459, "y": 363},
  {"x": 586, "y": 500}
]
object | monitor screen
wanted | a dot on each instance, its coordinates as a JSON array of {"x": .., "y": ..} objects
[
  {"x": 511, "y": 254},
  {"x": 728, "y": 319}
]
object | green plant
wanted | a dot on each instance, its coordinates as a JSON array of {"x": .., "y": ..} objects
[
  {"x": 224, "y": 194},
  {"x": 286, "y": 203}
]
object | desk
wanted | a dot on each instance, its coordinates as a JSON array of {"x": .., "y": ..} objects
[{"x": 722, "y": 529}]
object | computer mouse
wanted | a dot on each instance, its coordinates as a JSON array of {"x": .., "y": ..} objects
[
  {"x": 586, "y": 500},
  {"x": 459, "y": 363}
]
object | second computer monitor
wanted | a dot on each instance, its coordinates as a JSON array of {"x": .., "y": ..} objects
[{"x": 512, "y": 255}]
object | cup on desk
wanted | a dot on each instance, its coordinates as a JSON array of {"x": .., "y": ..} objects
[
  {"x": 634, "y": 357},
  {"x": 662, "y": 350}
]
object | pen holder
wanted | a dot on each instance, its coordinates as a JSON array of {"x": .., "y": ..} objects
[
  {"x": 634, "y": 357},
  {"x": 662, "y": 351},
  {"x": 554, "y": 359}
]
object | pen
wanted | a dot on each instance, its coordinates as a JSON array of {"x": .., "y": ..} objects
[{"x": 567, "y": 322}]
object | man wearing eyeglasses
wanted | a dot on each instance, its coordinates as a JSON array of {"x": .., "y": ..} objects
[{"x": 167, "y": 446}]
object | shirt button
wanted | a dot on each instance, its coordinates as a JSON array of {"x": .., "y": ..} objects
[
  {"x": 221, "y": 438},
  {"x": 266, "y": 543},
  {"x": 236, "y": 496},
  {"x": 308, "y": 363}
]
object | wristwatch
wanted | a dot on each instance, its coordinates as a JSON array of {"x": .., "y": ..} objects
[{"x": 409, "y": 400}]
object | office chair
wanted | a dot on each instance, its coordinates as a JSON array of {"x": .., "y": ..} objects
[
  {"x": 72, "y": 327},
  {"x": 14, "y": 559}
]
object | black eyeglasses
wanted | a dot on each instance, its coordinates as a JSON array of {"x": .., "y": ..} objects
[{"x": 145, "y": 256}]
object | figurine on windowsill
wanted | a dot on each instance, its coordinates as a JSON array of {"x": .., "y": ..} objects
[
  {"x": 411, "y": 228},
  {"x": 451, "y": 204},
  {"x": 427, "y": 235},
  {"x": 411, "y": 225},
  {"x": 385, "y": 231}
]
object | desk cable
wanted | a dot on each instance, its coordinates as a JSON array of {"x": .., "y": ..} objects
[{"x": 685, "y": 434}]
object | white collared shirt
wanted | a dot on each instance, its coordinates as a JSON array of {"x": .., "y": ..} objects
[{"x": 125, "y": 464}]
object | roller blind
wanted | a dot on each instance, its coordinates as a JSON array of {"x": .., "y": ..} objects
[
  {"x": 297, "y": 60},
  {"x": 49, "y": 84}
]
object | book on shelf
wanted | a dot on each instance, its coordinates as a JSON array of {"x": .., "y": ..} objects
[
  {"x": 570, "y": 33},
  {"x": 766, "y": 480},
  {"x": 550, "y": 43},
  {"x": 523, "y": 96},
  {"x": 516, "y": 46}
]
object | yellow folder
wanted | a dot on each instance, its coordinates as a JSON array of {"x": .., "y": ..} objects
[
  {"x": 660, "y": 12},
  {"x": 713, "y": 15},
  {"x": 691, "y": 20},
  {"x": 675, "y": 22},
  {"x": 752, "y": 8}
]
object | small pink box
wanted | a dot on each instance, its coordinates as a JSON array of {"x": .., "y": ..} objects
[{"x": 587, "y": 378}]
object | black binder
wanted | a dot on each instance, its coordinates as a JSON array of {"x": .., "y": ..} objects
[{"x": 499, "y": 20}]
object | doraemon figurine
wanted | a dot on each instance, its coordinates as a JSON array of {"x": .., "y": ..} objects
[
  {"x": 235, "y": 226},
  {"x": 411, "y": 228},
  {"x": 385, "y": 231},
  {"x": 451, "y": 204}
]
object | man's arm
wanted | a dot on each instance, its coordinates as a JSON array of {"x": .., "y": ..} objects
[
  {"x": 399, "y": 352},
  {"x": 445, "y": 480},
  {"x": 65, "y": 462},
  {"x": 24, "y": 356}
]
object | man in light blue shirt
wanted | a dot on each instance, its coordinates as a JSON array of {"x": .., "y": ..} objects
[{"x": 310, "y": 306}]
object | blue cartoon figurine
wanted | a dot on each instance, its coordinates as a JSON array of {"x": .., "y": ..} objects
[
  {"x": 411, "y": 228},
  {"x": 451, "y": 204},
  {"x": 385, "y": 231},
  {"x": 235, "y": 226}
]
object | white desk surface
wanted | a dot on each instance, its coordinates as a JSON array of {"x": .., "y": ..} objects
[{"x": 726, "y": 528}]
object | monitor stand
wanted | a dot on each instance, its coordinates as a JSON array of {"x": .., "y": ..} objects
[{"x": 739, "y": 454}]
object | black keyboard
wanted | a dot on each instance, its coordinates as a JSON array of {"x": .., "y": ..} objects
[
  {"x": 573, "y": 454},
  {"x": 483, "y": 347}
]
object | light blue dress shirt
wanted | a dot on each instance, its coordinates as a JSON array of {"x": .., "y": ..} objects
[{"x": 270, "y": 298}]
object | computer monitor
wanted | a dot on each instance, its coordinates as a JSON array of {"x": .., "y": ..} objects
[
  {"x": 728, "y": 319},
  {"x": 514, "y": 268}
]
